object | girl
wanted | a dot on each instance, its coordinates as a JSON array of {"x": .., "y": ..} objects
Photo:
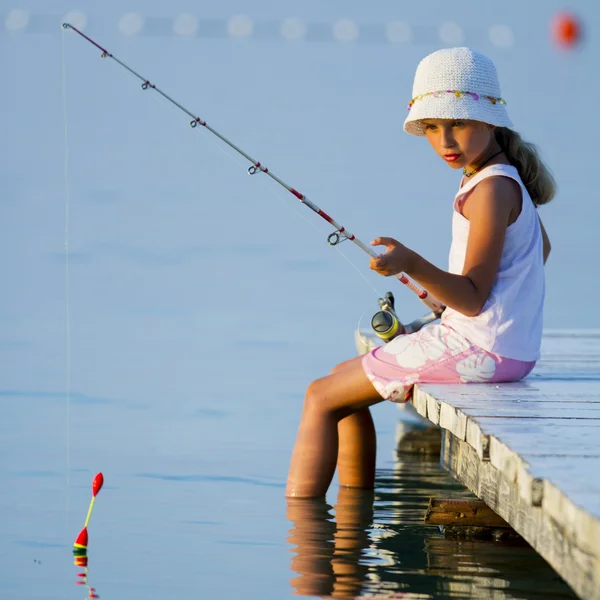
[{"x": 494, "y": 289}]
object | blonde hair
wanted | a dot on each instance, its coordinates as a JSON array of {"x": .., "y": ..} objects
[{"x": 525, "y": 157}]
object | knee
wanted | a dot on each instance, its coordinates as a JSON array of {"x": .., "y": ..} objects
[{"x": 314, "y": 400}]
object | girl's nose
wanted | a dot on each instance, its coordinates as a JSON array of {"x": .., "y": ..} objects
[{"x": 447, "y": 139}]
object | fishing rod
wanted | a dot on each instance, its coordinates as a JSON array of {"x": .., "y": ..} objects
[{"x": 339, "y": 235}]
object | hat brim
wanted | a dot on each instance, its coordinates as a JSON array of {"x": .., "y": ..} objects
[{"x": 449, "y": 106}]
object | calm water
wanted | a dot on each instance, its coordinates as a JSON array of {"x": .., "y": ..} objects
[{"x": 216, "y": 525}]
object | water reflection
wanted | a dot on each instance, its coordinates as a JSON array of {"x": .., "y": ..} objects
[
  {"x": 328, "y": 552},
  {"x": 377, "y": 545},
  {"x": 83, "y": 581},
  {"x": 82, "y": 576}
]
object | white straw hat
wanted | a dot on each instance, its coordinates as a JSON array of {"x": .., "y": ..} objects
[{"x": 456, "y": 83}]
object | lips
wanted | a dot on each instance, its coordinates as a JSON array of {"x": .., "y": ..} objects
[{"x": 451, "y": 157}]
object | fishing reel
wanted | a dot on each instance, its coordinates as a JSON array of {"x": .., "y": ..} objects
[{"x": 386, "y": 324}]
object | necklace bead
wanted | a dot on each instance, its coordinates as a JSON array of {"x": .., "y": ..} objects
[{"x": 477, "y": 169}]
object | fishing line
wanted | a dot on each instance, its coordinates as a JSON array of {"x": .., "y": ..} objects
[
  {"x": 340, "y": 234},
  {"x": 67, "y": 303}
]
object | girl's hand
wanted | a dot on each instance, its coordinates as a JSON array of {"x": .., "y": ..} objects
[{"x": 397, "y": 258}]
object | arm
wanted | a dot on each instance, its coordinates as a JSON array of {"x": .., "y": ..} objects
[
  {"x": 545, "y": 240},
  {"x": 489, "y": 209}
]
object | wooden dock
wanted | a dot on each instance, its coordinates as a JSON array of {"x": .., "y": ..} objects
[{"x": 531, "y": 451}]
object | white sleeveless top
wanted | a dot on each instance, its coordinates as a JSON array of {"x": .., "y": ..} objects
[{"x": 510, "y": 323}]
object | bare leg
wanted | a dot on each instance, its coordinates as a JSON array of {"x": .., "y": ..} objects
[
  {"x": 328, "y": 400},
  {"x": 357, "y": 444},
  {"x": 357, "y": 450}
]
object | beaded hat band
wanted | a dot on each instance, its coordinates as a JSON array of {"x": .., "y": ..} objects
[{"x": 458, "y": 94}]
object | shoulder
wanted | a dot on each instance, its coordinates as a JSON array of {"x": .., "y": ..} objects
[
  {"x": 502, "y": 186},
  {"x": 497, "y": 193}
]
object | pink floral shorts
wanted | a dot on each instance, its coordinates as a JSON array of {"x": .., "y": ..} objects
[{"x": 436, "y": 354}]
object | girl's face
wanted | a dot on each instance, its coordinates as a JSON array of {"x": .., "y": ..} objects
[{"x": 459, "y": 143}]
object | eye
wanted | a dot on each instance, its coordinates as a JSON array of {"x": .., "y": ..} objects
[
  {"x": 458, "y": 124},
  {"x": 429, "y": 127}
]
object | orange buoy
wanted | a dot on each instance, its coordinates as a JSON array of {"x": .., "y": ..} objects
[{"x": 566, "y": 30}]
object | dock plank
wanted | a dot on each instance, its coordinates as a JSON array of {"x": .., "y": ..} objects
[{"x": 531, "y": 451}]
